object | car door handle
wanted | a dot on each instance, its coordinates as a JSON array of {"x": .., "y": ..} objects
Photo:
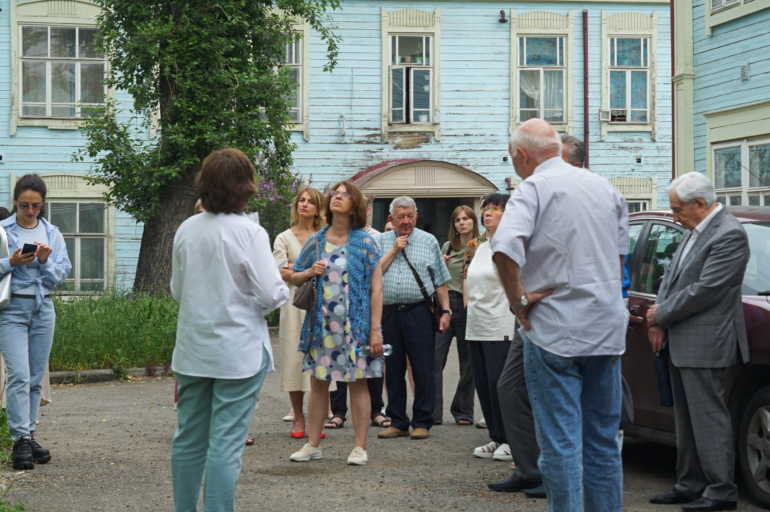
[
  {"x": 635, "y": 319},
  {"x": 634, "y": 308}
]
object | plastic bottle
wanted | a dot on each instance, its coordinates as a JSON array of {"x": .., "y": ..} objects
[{"x": 364, "y": 351}]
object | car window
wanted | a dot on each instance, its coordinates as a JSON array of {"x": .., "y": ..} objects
[
  {"x": 662, "y": 243},
  {"x": 634, "y": 230},
  {"x": 757, "y": 276}
]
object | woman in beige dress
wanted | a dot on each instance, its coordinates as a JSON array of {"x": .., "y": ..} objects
[{"x": 306, "y": 219}]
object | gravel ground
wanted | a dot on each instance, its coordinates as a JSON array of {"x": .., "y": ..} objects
[{"x": 111, "y": 444}]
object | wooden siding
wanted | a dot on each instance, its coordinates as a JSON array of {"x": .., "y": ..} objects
[{"x": 717, "y": 63}]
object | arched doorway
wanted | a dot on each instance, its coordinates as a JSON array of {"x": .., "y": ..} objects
[{"x": 437, "y": 188}]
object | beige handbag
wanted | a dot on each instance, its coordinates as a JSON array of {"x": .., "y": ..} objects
[{"x": 307, "y": 293}]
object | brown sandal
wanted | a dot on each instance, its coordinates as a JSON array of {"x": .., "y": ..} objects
[
  {"x": 333, "y": 424},
  {"x": 383, "y": 423}
]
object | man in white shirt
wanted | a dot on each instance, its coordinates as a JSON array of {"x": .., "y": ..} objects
[{"x": 561, "y": 244}]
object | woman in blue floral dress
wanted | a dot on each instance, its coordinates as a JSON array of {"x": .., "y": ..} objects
[{"x": 348, "y": 316}]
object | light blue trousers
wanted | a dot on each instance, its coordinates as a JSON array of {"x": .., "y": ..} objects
[
  {"x": 214, "y": 416},
  {"x": 26, "y": 335}
]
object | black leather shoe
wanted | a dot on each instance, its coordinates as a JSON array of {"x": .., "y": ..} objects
[
  {"x": 39, "y": 454},
  {"x": 513, "y": 483},
  {"x": 22, "y": 454},
  {"x": 672, "y": 497},
  {"x": 709, "y": 504},
  {"x": 537, "y": 492}
]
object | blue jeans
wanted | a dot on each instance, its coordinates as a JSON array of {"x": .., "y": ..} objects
[
  {"x": 26, "y": 335},
  {"x": 214, "y": 416},
  {"x": 576, "y": 402}
]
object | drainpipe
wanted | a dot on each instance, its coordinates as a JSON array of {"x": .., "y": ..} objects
[
  {"x": 585, "y": 83},
  {"x": 673, "y": 97}
]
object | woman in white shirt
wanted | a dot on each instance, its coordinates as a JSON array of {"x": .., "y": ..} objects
[
  {"x": 489, "y": 329},
  {"x": 226, "y": 281}
]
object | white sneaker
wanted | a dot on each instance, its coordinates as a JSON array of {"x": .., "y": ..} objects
[
  {"x": 503, "y": 452},
  {"x": 307, "y": 453},
  {"x": 486, "y": 451},
  {"x": 358, "y": 457}
]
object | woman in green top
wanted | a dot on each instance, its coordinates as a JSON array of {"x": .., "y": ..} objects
[{"x": 463, "y": 227}]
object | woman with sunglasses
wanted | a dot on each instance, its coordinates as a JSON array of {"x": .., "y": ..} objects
[
  {"x": 27, "y": 324},
  {"x": 490, "y": 328},
  {"x": 348, "y": 316}
]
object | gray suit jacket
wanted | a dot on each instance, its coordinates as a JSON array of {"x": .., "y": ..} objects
[{"x": 699, "y": 301}]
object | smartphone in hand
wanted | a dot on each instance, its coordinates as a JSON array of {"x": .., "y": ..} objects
[{"x": 28, "y": 248}]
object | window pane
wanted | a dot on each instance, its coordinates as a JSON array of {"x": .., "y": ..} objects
[
  {"x": 87, "y": 44},
  {"x": 34, "y": 41},
  {"x": 753, "y": 200},
  {"x": 661, "y": 245},
  {"x": 398, "y": 116},
  {"x": 721, "y": 200},
  {"x": 92, "y": 286},
  {"x": 759, "y": 165},
  {"x": 64, "y": 217},
  {"x": 715, "y": 3},
  {"x": 409, "y": 48},
  {"x": 757, "y": 276},
  {"x": 529, "y": 84},
  {"x": 426, "y": 43},
  {"x": 554, "y": 116},
  {"x": 561, "y": 51},
  {"x": 542, "y": 51},
  {"x": 645, "y": 47},
  {"x": 629, "y": 52},
  {"x": 634, "y": 230},
  {"x": 526, "y": 115},
  {"x": 69, "y": 242},
  {"x": 63, "y": 42},
  {"x": 33, "y": 82},
  {"x": 91, "y": 258},
  {"x": 638, "y": 116},
  {"x": 294, "y": 115},
  {"x": 767, "y": 200},
  {"x": 421, "y": 89},
  {"x": 727, "y": 168},
  {"x": 33, "y": 110},
  {"x": 521, "y": 51},
  {"x": 612, "y": 51},
  {"x": 617, "y": 89},
  {"x": 63, "y": 82},
  {"x": 91, "y": 86},
  {"x": 735, "y": 200},
  {"x": 68, "y": 285},
  {"x": 63, "y": 111},
  {"x": 553, "y": 83},
  {"x": 638, "y": 89},
  {"x": 397, "y": 90},
  {"x": 91, "y": 218},
  {"x": 393, "y": 50}
]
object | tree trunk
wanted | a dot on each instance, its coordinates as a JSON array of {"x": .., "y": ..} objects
[{"x": 153, "y": 272}]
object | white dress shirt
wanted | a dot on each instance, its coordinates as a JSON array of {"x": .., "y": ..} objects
[
  {"x": 700, "y": 228},
  {"x": 226, "y": 281},
  {"x": 566, "y": 228}
]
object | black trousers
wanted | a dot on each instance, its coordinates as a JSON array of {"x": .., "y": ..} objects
[
  {"x": 339, "y": 398},
  {"x": 488, "y": 360},
  {"x": 410, "y": 333}
]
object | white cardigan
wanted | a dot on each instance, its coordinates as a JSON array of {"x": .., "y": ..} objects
[{"x": 226, "y": 281}]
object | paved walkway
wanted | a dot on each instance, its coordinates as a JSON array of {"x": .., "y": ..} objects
[{"x": 111, "y": 441}]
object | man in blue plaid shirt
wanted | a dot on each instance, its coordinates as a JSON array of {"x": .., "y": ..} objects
[{"x": 406, "y": 319}]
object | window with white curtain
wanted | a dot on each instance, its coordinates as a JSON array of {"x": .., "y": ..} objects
[
  {"x": 411, "y": 79},
  {"x": 629, "y": 79},
  {"x": 293, "y": 59},
  {"x": 542, "y": 78},
  {"x": 742, "y": 173},
  {"x": 62, "y": 72}
]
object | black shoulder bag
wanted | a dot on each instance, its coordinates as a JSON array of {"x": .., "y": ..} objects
[{"x": 430, "y": 300}]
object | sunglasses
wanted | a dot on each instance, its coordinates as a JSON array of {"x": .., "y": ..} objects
[
  {"x": 344, "y": 195},
  {"x": 492, "y": 209}
]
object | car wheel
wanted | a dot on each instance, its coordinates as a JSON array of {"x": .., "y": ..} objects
[{"x": 754, "y": 446}]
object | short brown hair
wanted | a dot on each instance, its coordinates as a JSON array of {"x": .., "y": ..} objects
[
  {"x": 318, "y": 199},
  {"x": 357, "y": 214},
  {"x": 226, "y": 181},
  {"x": 454, "y": 236}
]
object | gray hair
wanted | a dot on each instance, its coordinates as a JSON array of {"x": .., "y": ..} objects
[
  {"x": 577, "y": 149},
  {"x": 402, "y": 202},
  {"x": 534, "y": 143},
  {"x": 691, "y": 186}
]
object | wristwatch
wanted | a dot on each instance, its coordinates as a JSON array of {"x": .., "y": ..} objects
[
  {"x": 447, "y": 311},
  {"x": 522, "y": 303}
]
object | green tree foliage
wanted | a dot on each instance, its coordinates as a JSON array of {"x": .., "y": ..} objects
[{"x": 208, "y": 73}]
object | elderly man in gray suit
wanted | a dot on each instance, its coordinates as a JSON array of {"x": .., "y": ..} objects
[{"x": 699, "y": 311}]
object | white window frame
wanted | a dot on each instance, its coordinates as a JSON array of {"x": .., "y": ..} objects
[
  {"x": 543, "y": 24},
  {"x": 77, "y": 61},
  {"x": 630, "y": 25},
  {"x": 402, "y": 108},
  {"x": 53, "y": 13},
  {"x": 643, "y": 203},
  {"x": 302, "y": 29},
  {"x": 541, "y": 71},
  {"x": 408, "y": 120},
  {"x": 730, "y": 10},
  {"x": 745, "y": 191},
  {"x": 628, "y": 70},
  {"x": 411, "y": 22},
  {"x": 292, "y": 50}
]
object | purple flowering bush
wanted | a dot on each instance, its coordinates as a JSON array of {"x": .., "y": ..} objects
[{"x": 273, "y": 200}]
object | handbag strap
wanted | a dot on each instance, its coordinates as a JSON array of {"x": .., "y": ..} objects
[
  {"x": 311, "y": 331},
  {"x": 424, "y": 292}
]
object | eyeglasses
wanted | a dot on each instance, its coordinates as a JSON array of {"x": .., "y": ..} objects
[
  {"x": 492, "y": 209},
  {"x": 26, "y": 206},
  {"x": 344, "y": 195}
]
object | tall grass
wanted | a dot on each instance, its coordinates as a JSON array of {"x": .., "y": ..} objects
[{"x": 115, "y": 330}]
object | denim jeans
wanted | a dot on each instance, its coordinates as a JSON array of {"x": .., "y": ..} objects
[
  {"x": 576, "y": 402},
  {"x": 26, "y": 335}
]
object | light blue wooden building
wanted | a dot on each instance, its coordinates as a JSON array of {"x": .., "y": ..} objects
[
  {"x": 722, "y": 96},
  {"x": 422, "y": 102}
]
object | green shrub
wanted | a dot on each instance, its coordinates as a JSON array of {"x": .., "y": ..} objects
[{"x": 115, "y": 330}]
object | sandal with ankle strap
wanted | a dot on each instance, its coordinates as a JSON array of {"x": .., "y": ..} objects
[
  {"x": 383, "y": 423},
  {"x": 333, "y": 424}
]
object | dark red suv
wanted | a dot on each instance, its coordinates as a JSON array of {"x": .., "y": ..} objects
[{"x": 654, "y": 239}]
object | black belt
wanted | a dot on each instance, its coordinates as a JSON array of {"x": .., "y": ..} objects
[
  {"x": 24, "y": 296},
  {"x": 403, "y": 307}
]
